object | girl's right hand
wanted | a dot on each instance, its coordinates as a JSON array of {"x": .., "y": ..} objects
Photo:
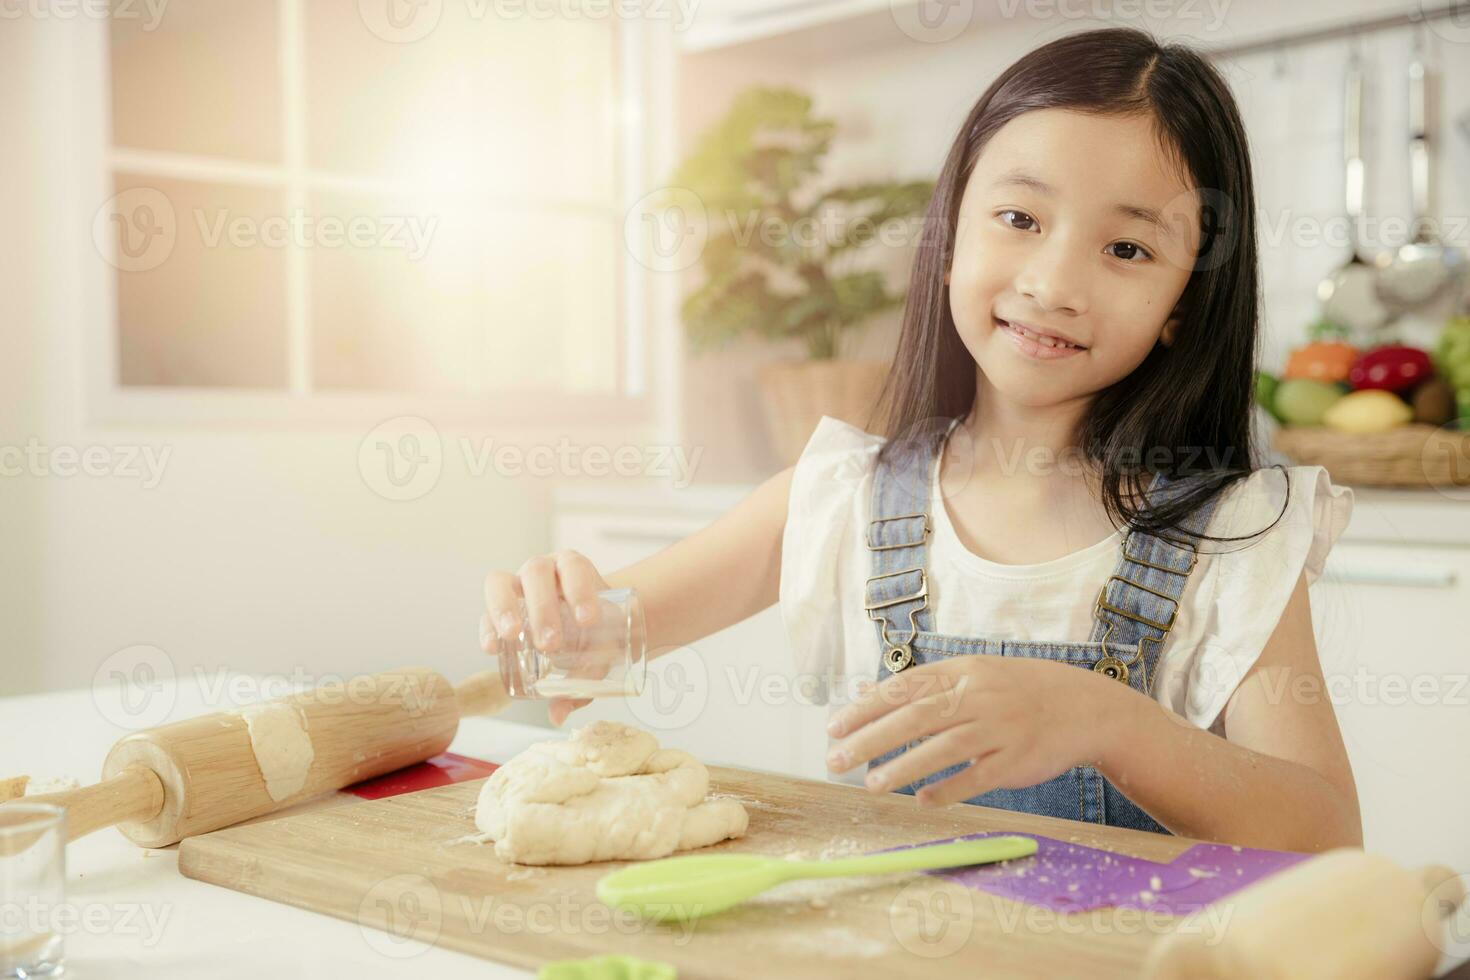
[{"x": 543, "y": 582}]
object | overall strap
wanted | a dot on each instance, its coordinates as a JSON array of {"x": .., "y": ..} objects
[
  {"x": 1140, "y": 601},
  {"x": 896, "y": 595}
]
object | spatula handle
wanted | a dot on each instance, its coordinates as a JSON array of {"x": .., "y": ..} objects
[{"x": 955, "y": 854}]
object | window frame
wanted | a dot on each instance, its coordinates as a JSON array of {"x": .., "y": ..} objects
[{"x": 640, "y": 118}]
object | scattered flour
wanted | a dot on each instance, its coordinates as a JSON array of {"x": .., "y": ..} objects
[
  {"x": 836, "y": 941},
  {"x": 52, "y": 784}
]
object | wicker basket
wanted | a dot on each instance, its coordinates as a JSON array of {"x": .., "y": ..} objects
[
  {"x": 799, "y": 393},
  {"x": 1410, "y": 456}
]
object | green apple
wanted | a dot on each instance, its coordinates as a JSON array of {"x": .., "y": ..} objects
[{"x": 1303, "y": 401}]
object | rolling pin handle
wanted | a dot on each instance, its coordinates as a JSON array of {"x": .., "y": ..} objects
[
  {"x": 481, "y": 694},
  {"x": 136, "y": 793}
]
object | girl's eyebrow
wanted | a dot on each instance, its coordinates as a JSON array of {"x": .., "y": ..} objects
[{"x": 1021, "y": 178}]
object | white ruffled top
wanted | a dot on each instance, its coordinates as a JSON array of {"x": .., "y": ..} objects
[{"x": 1230, "y": 606}]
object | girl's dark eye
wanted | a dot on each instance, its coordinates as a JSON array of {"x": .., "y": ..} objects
[
  {"x": 1135, "y": 251},
  {"x": 1022, "y": 221},
  {"x": 1023, "y": 215}
]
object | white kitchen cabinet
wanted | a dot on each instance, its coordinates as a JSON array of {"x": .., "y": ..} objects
[
  {"x": 730, "y": 698},
  {"x": 1393, "y": 634}
]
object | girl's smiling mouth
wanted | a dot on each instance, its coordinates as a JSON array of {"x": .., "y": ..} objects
[{"x": 1037, "y": 343}]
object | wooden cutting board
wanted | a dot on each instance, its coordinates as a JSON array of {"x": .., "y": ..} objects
[{"x": 401, "y": 869}]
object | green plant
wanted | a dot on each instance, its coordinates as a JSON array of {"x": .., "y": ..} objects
[
  {"x": 780, "y": 256},
  {"x": 1382, "y": 336},
  {"x": 1325, "y": 329}
]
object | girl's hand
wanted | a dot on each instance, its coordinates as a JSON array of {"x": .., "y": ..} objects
[
  {"x": 543, "y": 582},
  {"x": 1018, "y": 721}
]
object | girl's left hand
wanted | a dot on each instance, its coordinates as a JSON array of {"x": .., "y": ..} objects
[{"x": 1018, "y": 721}]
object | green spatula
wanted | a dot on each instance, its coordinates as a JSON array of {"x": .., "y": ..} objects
[{"x": 702, "y": 884}]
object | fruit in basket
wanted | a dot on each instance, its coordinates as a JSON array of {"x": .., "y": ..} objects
[
  {"x": 1434, "y": 402},
  {"x": 1452, "y": 359},
  {"x": 1391, "y": 368},
  {"x": 1302, "y": 401},
  {"x": 1266, "y": 385},
  {"x": 1454, "y": 343},
  {"x": 1369, "y": 410},
  {"x": 1324, "y": 360}
]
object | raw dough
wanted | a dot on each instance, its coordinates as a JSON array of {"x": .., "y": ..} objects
[
  {"x": 13, "y": 787},
  {"x": 52, "y": 784},
  {"x": 281, "y": 745},
  {"x": 608, "y": 793}
]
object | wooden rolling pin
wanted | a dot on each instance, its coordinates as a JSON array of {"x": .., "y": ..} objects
[
  {"x": 1342, "y": 915},
  {"x": 164, "y": 784}
]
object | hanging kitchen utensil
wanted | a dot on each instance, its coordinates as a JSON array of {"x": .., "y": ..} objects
[
  {"x": 1349, "y": 295},
  {"x": 1423, "y": 268}
]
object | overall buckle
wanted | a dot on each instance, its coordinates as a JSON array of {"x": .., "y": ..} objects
[
  {"x": 1182, "y": 545},
  {"x": 868, "y": 538},
  {"x": 1102, "y": 603},
  {"x": 1110, "y": 665},
  {"x": 897, "y": 656},
  {"x": 921, "y": 593}
]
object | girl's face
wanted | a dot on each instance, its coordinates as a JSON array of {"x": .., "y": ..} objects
[{"x": 1076, "y": 226}]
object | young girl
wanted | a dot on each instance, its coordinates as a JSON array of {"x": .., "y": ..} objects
[{"x": 1020, "y": 560}]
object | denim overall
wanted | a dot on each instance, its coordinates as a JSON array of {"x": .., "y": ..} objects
[{"x": 1134, "y": 611}]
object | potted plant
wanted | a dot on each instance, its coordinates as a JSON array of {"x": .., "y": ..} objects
[{"x": 784, "y": 259}]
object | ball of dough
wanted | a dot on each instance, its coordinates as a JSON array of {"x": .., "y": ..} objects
[{"x": 607, "y": 793}]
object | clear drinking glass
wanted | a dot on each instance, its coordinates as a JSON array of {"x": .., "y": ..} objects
[
  {"x": 32, "y": 889},
  {"x": 606, "y": 657}
]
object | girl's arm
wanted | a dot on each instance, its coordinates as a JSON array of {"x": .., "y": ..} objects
[
  {"x": 1281, "y": 777},
  {"x": 716, "y": 577},
  {"x": 719, "y": 575}
]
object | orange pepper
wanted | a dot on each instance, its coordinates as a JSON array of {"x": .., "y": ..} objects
[{"x": 1325, "y": 360}]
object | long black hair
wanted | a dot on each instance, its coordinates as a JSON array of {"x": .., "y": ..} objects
[{"x": 1191, "y": 399}]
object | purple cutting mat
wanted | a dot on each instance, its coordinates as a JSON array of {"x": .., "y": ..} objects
[{"x": 1071, "y": 878}]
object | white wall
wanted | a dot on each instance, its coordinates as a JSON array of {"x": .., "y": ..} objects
[
  {"x": 262, "y": 549},
  {"x": 20, "y": 264},
  {"x": 899, "y": 102}
]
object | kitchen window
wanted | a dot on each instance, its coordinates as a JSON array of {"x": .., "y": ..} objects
[{"x": 319, "y": 204}]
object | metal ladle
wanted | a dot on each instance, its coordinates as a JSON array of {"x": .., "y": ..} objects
[
  {"x": 1422, "y": 268},
  {"x": 1349, "y": 295}
]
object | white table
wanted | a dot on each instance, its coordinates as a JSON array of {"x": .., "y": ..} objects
[{"x": 140, "y": 918}]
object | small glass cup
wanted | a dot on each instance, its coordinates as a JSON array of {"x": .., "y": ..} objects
[
  {"x": 32, "y": 889},
  {"x": 606, "y": 657}
]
